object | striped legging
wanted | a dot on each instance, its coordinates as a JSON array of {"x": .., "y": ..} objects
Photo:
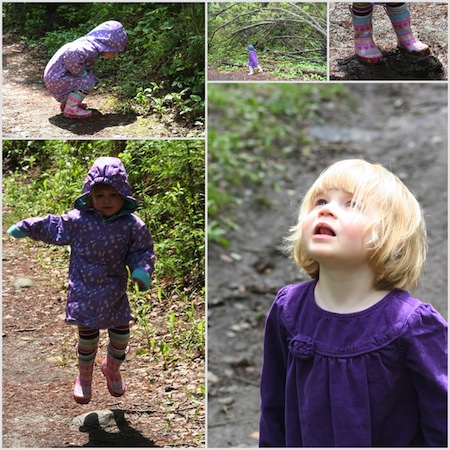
[{"x": 88, "y": 339}]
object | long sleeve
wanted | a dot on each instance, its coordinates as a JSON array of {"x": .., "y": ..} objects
[
  {"x": 140, "y": 256},
  {"x": 273, "y": 380},
  {"x": 51, "y": 229},
  {"x": 425, "y": 346},
  {"x": 77, "y": 61}
]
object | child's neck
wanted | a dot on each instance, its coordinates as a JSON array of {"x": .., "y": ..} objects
[{"x": 346, "y": 293}]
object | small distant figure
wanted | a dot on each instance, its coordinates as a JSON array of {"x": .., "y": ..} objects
[
  {"x": 69, "y": 75},
  {"x": 253, "y": 60},
  {"x": 400, "y": 16}
]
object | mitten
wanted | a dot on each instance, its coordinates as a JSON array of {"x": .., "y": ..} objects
[
  {"x": 143, "y": 277},
  {"x": 16, "y": 233}
]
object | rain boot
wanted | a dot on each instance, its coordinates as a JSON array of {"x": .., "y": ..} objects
[
  {"x": 82, "y": 391},
  {"x": 401, "y": 21},
  {"x": 250, "y": 68},
  {"x": 365, "y": 47},
  {"x": 111, "y": 370},
  {"x": 63, "y": 105},
  {"x": 72, "y": 109}
]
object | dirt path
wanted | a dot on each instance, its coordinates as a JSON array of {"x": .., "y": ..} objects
[
  {"x": 39, "y": 369},
  {"x": 403, "y": 126},
  {"x": 29, "y": 110}
]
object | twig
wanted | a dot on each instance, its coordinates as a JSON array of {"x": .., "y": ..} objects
[
  {"x": 245, "y": 380},
  {"x": 227, "y": 422}
]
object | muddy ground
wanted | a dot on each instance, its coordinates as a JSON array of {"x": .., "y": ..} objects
[
  {"x": 402, "y": 126},
  {"x": 29, "y": 110},
  {"x": 429, "y": 22}
]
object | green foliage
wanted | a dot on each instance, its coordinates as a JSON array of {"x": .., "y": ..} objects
[
  {"x": 286, "y": 35},
  {"x": 165, "y": 47},
  {"x": 252, "y": 131}
]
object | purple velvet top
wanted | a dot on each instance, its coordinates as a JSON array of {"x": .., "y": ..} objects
[
  {"x": 372, "y": 378},
  {"x": 71, "y": 67}
]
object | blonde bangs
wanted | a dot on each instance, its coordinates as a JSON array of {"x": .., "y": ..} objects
[{"x": 397, "y": 234}]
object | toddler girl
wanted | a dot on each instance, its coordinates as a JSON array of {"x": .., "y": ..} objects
[
  {"x": 351, "y": 359},
  {"x": 69, "y": 74},
  {"x": 399, "y": 15},
  {"x": 105, "y": 237},
  {"x": 252, "y": 60}
]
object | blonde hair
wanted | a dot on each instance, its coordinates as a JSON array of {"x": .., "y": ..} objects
[{"x": 397, "y": 237}]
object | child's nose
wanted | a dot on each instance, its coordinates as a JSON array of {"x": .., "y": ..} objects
[{"x": 327, "y": 210}]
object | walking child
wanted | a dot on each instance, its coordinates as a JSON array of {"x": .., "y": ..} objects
[
  {"x": 253, "y": 60},
  {"x": 69, "y": 74},
  {"x": 400, "y": 16},
  {"x": 105, "y": 237},
  {"x": 351, "y": 358}
]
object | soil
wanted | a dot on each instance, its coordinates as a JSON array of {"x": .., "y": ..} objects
[
  {"x": 429, "y": 22},
  {"x": 39, "y": 370},
  {"x": 401, "y": 125},
  {"x": 29, "y": 110},
  {"x": 238, "y": 75}
]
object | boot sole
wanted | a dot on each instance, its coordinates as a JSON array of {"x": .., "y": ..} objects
[
  {"x": 74, "y": 116},
  {"x": 82, "y": 401},
  {"x": 370, "y": 61},
  {"x": 424, "y": 52}
]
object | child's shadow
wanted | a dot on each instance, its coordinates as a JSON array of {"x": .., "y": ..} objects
[
  {"x": 94, "y": 124},
  {"x": 396, "y": 65},
  {"x": 125, "y": 437}
]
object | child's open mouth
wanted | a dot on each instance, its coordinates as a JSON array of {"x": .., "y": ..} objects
[{"x": 324, "y": 229}]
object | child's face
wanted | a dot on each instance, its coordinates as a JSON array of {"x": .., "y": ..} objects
[
  {"x": 334, "y": 232},
  {"x": 110, "y": 55},
  {"x": 107, "y": 200}
]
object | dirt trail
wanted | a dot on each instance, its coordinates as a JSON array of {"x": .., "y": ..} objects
[
  {"x": 401, "y": 125},
  {"x": 29, "y": 110}
]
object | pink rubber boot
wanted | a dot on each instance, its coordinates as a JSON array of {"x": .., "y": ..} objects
[
  {"x": 401, "y": 21},
  {"x": 72, "y": 110},
  {"x": 63, "y": 105},
  {"x": 111, "y": 370},
  {"x": 365, "y": 47},
  {"x": 82, "y": 392}
]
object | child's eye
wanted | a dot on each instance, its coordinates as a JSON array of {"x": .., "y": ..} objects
[
  {"x": 320, "y": 202},
  {"x": 352, "y": 204}
]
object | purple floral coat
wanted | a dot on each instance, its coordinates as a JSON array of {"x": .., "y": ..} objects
[
  {"x": 101, "y": 250},
  {"x": 71, "y": 67},
  {"x": 253, "y": 59}
]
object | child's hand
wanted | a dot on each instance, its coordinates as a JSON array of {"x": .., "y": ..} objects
[{"x": 16, "y": 233}]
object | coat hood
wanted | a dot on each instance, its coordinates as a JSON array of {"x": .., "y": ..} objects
[
  {"x": 111, "y": 171},
  {"x": 250, "y": 48},
  {"x": 108, "y": 37}
]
